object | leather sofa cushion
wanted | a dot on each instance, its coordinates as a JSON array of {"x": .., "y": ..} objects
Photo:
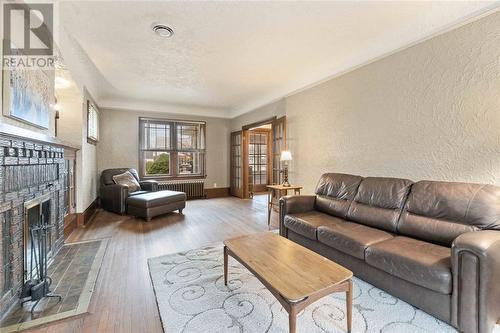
[
  {"x": 424, "y": 264},
  {"x": 306, "y": 224},
  {"x": 107, "y": 175},
  {"x": 335, "y": 192},
  {"x": 439, "y": 212},
  {"x": 127, "y": 179},
  {"x": 154, "y": 199},
  {"x": 351, "y": 238},
  {"x": 379, "y": 201}
]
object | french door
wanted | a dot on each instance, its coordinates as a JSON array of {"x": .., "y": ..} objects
[
  {"x": 237, "y": 164},
  {"x": 279, "y": 144},
  {"x": 242, "y": 172},
  {"x": 259, "y": 162}
]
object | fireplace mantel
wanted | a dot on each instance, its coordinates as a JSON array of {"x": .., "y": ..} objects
[{"x": 26, "y": 134}]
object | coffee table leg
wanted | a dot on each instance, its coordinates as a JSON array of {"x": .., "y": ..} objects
[
  {"x": 349, "y": 306},
  {"x": 292, "y": 319},
  {"x": 225, "y": 265}
]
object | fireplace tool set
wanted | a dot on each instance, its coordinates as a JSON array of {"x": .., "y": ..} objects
[{"x": 38, "y": 285}]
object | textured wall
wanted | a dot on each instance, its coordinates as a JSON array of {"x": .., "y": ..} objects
[
  {"x": 86, "y": 163},
  {"x": 431, "y": 111},
  {"x": 119, "y": 144},
  {"x": 70, "y": 122},
  {"x": 70, "y": 99},
  {"x": 72, "y": 127}
]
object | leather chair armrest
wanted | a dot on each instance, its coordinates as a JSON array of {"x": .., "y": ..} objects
[
  {"x": 291, "y": 204},
  {"x": 149, "y": 185},
  {"x": 476, "y": 277},
  {"x": 113, "y": 198}
]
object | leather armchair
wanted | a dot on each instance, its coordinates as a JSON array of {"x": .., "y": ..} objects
[
  {"x": 114, "y": 196},
  {"x": 292, "y": 204},
  {"x": 476, "y": 274}
]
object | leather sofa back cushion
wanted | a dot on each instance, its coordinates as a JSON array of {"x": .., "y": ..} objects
[
  {"x": 379, "y": 201},
  {"x": 439, "y": 212},
  {"x": 107, "y": 175},
  {"x": 335, "y": 192}
]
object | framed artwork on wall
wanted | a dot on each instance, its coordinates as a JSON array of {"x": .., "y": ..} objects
[{"x": 27, "y": 95}]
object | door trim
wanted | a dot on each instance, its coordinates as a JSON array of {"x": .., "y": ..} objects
[{"x": 260, "y": 123}]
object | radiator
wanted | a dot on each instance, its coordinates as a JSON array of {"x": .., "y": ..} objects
[{"x": 194, "y": 189}]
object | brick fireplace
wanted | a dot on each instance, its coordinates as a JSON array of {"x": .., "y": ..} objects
[{"x": 29, "y": 171}]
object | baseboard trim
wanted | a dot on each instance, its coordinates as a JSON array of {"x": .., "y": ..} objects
[
  {"x": 70, "y": 224},
  {"x": 217, "y": 192},
  {"x": 88, "y": 214}
]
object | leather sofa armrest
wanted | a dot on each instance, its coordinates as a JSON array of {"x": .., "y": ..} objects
[
  {"x": 149, "y": 185},
  {"x": 113, "y": 198},
  {"x": 291, "y": 204},
  {"x": 476, "y": 277}
]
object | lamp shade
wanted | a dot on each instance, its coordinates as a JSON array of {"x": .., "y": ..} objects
[{"x": 286, "y": 155}]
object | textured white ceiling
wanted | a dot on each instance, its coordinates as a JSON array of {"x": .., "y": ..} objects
[{"x": 227, "y": 57}]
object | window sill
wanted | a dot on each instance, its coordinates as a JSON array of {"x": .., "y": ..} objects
[{"x": 164, "y": 178}]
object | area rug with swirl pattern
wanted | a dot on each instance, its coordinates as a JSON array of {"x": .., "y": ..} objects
[{"x": 191, "y": 297}]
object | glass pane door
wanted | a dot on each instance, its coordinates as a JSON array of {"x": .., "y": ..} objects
[
  {"x": 279, "y": 143},
  {"x": 258, "y": 159},
  {"x": 237, "y": 164}
]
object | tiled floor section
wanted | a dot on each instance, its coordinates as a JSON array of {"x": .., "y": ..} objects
[{"x": 69, "y": 272}]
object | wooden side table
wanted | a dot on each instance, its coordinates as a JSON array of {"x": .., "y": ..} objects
[{"x": 276, "y": 191}]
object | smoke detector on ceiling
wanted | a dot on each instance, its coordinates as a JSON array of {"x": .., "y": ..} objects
[{"x": 162, "y": 30}]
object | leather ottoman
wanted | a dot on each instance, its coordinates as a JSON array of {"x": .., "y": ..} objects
[{"x": 151, "y": 204}]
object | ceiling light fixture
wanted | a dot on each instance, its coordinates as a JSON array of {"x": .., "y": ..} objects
[{"x": 162, "y": 30}]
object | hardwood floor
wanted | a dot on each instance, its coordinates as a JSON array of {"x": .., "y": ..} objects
[{"x": 124, "y": 300}]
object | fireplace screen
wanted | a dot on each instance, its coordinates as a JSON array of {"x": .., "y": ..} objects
[{"x": 37, "y": 213}]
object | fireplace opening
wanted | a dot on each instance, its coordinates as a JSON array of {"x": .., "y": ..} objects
[
  {"x": 37, "y": 214},
  {"x": 37, "y": 251}
]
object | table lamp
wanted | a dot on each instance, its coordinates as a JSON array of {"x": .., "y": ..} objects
[{"x": 286, "y": 156}]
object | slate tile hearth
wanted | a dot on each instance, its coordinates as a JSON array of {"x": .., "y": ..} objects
[{"x": 70, "y": 271}]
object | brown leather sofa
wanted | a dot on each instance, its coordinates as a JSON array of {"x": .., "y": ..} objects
[
  {"x": 114, "y": 196},
  {"x": 433, "y": 244}
]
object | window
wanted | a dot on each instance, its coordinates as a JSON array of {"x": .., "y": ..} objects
[
  {"x": 171, "y": 148},
  {"x": 92, "y": 123}
]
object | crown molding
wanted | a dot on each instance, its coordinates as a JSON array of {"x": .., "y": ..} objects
[
  {"x": 296, "y": 88},
  {"x": 170, "y": 108}
]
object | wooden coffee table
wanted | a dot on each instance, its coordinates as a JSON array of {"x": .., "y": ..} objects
[{"x": 296, "y": 276}]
